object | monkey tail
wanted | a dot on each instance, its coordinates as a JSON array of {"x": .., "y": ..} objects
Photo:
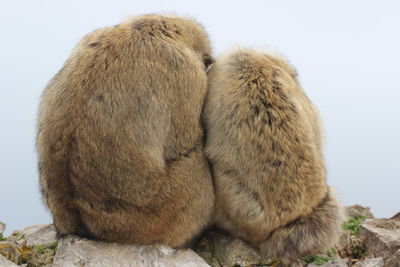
[{"x": 309, "y": 234}]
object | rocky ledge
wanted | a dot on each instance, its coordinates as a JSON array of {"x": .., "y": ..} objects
[{"x": 365, "y": 242}]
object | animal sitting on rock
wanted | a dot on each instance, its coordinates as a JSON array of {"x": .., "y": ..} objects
[
  {"x": 264, "y": 143},
  {"x": 119, "y": 139}
]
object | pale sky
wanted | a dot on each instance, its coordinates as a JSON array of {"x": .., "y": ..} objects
[{"x": 346, "y": 53}]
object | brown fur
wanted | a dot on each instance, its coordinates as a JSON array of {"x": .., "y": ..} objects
[
  {"x": 264, "y": 142},
  {"x": 119, "y": 139}
]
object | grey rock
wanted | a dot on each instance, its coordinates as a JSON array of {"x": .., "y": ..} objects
[
  {"x": 374, "y": 262},
  {"x": 39, "y": 234},
  {"x": 75, "y": 251},
  {"x": 6, "y": 263},
  {"x": 2, "y": 227},
  {"x": 220, "y": 249},
  {"x": 335, "y": 263},
  {"x": 394, "y": 260},
  {"x": 357, "y": 211},
  {"x": 232, "y": 251},
  {"x": 381, "y": 236},
  {"x": 396, "y": 216}
]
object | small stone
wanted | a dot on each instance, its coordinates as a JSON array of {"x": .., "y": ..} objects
[
  {"x": 2, "y": 228},
  {"x": 39, "y": 234},
  {"x": 6, "y": 263},
  {"x": 355, "y": 211},
  {"x": 335, "y": 263},
  {"x": 231, "y": 251},
  {"x": 381, "y": 236},
  {"x": 221, "y": 249},
  {"x": 374, "y": 262},
  {"x": 75, "y": 251}
]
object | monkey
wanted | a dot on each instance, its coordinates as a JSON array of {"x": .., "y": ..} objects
[
  {"x": 264, "y": 144},
  {"x": 120, "y": 140}
]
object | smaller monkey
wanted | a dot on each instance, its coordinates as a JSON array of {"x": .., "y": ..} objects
[{"x": 264, "y": 143}]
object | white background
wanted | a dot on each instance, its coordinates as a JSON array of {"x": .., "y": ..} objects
[{"x": 346, "y": 52}]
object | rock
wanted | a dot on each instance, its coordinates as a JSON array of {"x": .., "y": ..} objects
[
  {"x": 42, "y": 256},
  {"x": 335, "y": 263},
  {"x": 396, "y": 216},
  {"x": 6, "y": 263},
  {"x": 12, "y": 251},
  {"x": 16, "y": 237},
  {"x": 75, "y": 251},
  {"x": 220, "y": 249},
  {"x": 355, "y": 211},
  {"x": 374, "y": 262},
  {"x": 350, "y": 246},
  {"x": 394, "y": 260},
  {"x": 39, "y": 234},
  {"x": 2, "y": 228},
  {"x": 381, "y": 237}
]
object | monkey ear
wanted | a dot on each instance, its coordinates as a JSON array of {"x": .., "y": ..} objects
[{"x": 208, "y": 61}]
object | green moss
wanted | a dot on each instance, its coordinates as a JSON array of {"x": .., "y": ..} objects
[
  {"x": 332, "y": 252},
  {"x": 317, "y": 259},
  {"x": 40, "y": 249},
  {"x": 353, "y": 225}
]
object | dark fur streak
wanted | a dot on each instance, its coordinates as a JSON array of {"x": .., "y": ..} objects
[
  {"x": 276, "y": 163},
  {"x": 94, "y": 44},
  {"x": 266, "y": 104},
  {"x": 230, "y": 172},
  {"x": 185, "y": 154},
  {"x": 270, "y": 119},
  {"x": 256, "y": 110},
  {"x": 166, "y": 33}
]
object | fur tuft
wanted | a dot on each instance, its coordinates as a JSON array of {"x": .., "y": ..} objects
[{"x": 316, "y": 232}]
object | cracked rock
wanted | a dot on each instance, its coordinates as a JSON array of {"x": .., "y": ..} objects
[
  {"x": 74, "y": 251},
  {"x": 39, "y": 234},
  {"x": 374, "y": 262},
  {"x": 381, "y": 237},
  {"x": 335, "y": 263}
]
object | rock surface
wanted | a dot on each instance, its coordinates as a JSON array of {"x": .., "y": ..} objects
[
  {"x": 381, "y": 236},
  {"x": 394, "y": 260},
  {"x": 355, "y": 211},
  {"x": 39, "y": 234},
  {"x": 221, "y": 249},
  {"x": 374, "y": 262},
  {"x": 74, "y": 251},
  {"x": 2, "y": 227},
  {"x": 6, "y": 263},
  {"x": 336, "y": 263}
]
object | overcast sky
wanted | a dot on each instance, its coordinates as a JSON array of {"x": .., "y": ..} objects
[{"x": 346, "y": 52}]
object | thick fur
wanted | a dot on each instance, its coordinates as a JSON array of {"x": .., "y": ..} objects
[
  {"x": 119, "y": 139},
  {"x": 264, "y": 142}
]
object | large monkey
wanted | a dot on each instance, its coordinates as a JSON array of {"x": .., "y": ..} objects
[{"x": 119, "y": 139}]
